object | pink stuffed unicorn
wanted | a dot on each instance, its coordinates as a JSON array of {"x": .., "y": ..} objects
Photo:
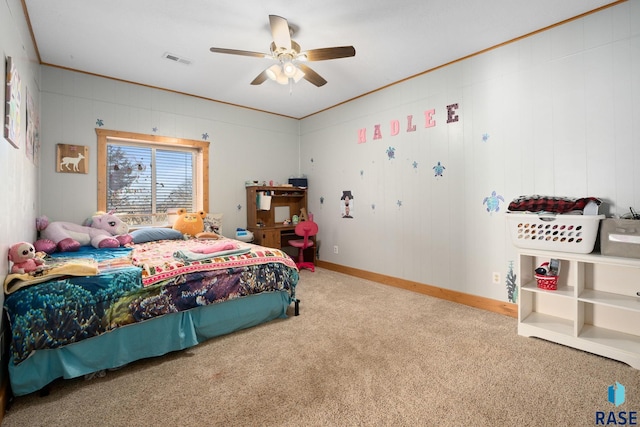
[{"x": 103, "y": 230}]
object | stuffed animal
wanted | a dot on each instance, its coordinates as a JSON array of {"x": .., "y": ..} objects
[
  {"x": 102, "y": 230},
  {"x": 190, "y": 223},
  {"x": 23, "y": 256}
]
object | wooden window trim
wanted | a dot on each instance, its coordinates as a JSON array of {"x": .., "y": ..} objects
[{"x": 202, "y": 178}]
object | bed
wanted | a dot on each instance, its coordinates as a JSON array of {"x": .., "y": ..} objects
[{"x": 105, "y": 308}]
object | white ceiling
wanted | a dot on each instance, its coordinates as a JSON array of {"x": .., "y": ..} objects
[{"x": 394, "y": 39}]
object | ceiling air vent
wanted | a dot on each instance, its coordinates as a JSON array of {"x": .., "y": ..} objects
[{"x": 176, "y": 58}]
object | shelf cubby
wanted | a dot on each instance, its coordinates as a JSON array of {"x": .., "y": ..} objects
[{"x": 596, "y": 307}]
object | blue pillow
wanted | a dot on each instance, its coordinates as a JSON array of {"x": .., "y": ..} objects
[{"x": 150, "y": 234}]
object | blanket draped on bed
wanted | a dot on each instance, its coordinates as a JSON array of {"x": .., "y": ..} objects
[{"x": 134, "y": 285}]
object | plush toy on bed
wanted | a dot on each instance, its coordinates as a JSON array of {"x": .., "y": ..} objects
[
  {"x": 189, "y": 223},
  {"x": 24, "y": 259},
  {"x": 102, "y": 230}
]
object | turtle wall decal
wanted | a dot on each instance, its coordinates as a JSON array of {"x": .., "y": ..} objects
[{"x": 493, "y": 202}]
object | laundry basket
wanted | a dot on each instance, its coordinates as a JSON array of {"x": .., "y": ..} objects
[{"x": 563, "y": 233}]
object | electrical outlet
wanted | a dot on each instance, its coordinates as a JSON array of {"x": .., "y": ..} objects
[
  {"x": 335, "y": 249},
  {"x": 496, "y": 278}
]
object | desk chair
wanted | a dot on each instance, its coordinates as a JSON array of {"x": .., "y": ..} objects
[{"x": 304, "y": 229}]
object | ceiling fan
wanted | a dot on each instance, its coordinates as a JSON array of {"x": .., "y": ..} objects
[{"x": 290, "y": 66}]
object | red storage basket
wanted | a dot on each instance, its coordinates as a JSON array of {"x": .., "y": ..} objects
[{"x": 550, "y": 283}]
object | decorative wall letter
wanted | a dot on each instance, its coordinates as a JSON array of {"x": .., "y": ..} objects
[
  {"x": 376, "y": 132},
  {"x": 362, "y": 136},
  {"x": 428, "y": 118},
  {"x": 410, "y": 127},
  {"x": 451, "y": 114},
  {"x": 395, "y": 127}
]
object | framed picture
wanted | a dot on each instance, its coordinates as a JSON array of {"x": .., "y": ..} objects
[
  {"x": 32, "y": 145},
  {"x": 72, "y": 158},
  {"x": 13, "y": 102}
]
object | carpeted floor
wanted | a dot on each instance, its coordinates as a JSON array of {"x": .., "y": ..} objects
[{"x": 359, "y": 354}]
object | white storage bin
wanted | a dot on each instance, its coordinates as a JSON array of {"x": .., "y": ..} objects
[{"x": 563, "y": 233}]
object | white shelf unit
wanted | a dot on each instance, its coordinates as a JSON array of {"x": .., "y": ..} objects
[{"x": 596, "y": 307}]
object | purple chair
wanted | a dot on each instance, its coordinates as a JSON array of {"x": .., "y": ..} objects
[{"x": 304, "y": 229}]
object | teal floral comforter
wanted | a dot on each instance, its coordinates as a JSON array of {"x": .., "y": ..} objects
[{"x": 67, "y": 310}]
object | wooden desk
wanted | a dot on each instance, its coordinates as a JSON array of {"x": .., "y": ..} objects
[
  {"x": 266, "y": 225},
  {"x": 278, "y": 237}
]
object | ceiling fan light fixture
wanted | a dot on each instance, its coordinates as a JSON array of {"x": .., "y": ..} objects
[
  {"x": 282, "y": 79},
  {"x": 274, "y": 72},
  {"x": 289, "y": 69}
]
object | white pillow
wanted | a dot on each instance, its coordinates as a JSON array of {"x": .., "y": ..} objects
[{"x": 213, "y": 223}]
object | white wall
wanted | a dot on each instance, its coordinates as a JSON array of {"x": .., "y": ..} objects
[
  {"x": 560, "y": 110},
  {"x": 558, "y": 107},
  {"x": 245, "y": 144},
  {"x": 18, "y": 174}
]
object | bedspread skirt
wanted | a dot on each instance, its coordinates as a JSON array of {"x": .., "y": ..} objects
[{"x": 150, "y": 338}]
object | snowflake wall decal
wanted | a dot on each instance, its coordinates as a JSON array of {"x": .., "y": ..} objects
[{"x": 100, "y": 122}]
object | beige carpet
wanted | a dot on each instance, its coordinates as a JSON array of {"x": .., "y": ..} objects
[{"x": 359, "y": 354}]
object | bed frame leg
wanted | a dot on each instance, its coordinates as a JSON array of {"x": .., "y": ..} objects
[{"x": 296, "y": 310}]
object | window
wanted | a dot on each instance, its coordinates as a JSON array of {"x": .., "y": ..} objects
[{"x": 141, "y": 177}]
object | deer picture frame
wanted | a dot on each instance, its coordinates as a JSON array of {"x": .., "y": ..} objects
[{"x": 72, "y": 158}]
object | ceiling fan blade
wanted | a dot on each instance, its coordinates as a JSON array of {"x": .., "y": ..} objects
[
  {"x": 238, "y": 52},
  {"x": 311, "y": 76},
  {"x": 329, "y": 53},
  {"x": 260, "y": 78},
  {"x": 280, "y": 31}
]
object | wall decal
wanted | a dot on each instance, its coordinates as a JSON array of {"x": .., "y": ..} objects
[
  {"x": 415, "y": 164},
  {"x": 346, "y": 204},
  {"x": 13, "y": 102},
  {"x": 154, "y": 129},
  {"x": 391, "y": 153},
  {"x": 512, "y": 288},
  {"x": 493, "y": 202},
  {"x": 361, "y": 173},
  {"x": 321, "y": 200},
  {"x": 438, "y": 169},
  {"x": 99, "y": 123},
  {"x": 399, "y": 203},
  {"x": 72, "y": 158},
  {"x": 373, "y": 207},
  {"x": 239, "y": 207},
  {"x": 485, "y": 137},
  {"x": 205, "y": 136}
]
